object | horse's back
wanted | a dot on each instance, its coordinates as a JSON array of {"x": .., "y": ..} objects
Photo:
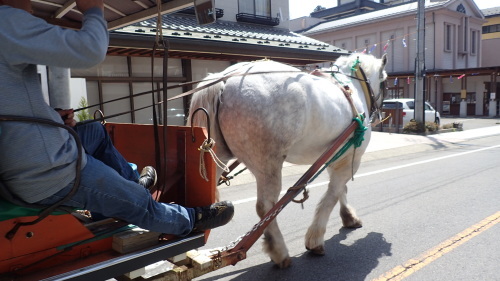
[{"x": 279, "y": 109}]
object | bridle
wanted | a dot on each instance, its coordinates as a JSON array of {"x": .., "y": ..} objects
[{"x": 371, "y": 99}]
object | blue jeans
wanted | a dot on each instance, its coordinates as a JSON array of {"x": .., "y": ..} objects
[
  {"x": 97, "y": 143},
  {"x": 104, "y": 190}
]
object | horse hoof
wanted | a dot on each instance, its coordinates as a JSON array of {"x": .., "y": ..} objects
[
  {"x": 285, "y": 263},
  {"x": 319, "y": 251},
  {"x": 355, "y": 224},
  {"x": 352, "y": 223}
]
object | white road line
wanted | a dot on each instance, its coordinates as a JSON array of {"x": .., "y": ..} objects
[
  {"x": 382, "y": 171},
  {"x": 425, "y": 161}
]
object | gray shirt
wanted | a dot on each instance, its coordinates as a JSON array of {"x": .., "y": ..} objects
[{"x": 37, "y": 161}]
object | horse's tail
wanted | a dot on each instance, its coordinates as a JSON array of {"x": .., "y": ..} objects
[{"x": 207, "y": 98}]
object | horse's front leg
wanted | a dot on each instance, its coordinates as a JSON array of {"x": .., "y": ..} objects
[
  {"x": 268, "y": 190},
  {"x": 340, "y": 173}
]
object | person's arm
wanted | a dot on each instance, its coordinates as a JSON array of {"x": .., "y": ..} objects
[{"x": 27, "y": 39}]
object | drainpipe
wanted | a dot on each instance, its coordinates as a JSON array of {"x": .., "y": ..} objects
[{"x": 434, "y": 45}]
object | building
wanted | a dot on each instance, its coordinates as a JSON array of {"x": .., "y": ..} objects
[
  {"x": 244, "y": 31},
  {"x": 456, "y": 82},
  {"x": 491, "y": 37}
]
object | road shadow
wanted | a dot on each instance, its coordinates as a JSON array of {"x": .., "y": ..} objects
[{"x": 342, "y": 262}]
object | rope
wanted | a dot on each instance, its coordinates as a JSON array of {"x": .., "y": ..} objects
[
  {"x": 305, "y": 194},
  {"x": 205, "y": 147},
  {"x": 355, "y": 65},
  {"x": 386, "y": 118},
  {"x": 356, "y": 140},
  {"x": 227, "y": 180},
  {"x": 159, "y": 23},
  {"x": 342, "y": 82}
]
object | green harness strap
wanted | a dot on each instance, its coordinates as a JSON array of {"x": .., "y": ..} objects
[{"x": 356, "y": 140}]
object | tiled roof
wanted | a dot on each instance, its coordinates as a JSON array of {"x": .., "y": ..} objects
[
  {"x": 185, "y": 26},
  {"x": 400, "y": 10},
  {"x": 495, "y": 11}
]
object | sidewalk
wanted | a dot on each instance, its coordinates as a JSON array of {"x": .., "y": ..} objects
[
  {"x": 391, "y": 144},
  {"x": 382, "y": 141},
  {"x": 481, "y": 127}
]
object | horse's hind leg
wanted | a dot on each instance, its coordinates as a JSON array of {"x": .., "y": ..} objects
[
  {"x": 347, "y": 213},
  {"x": 315, "y": 233},
  {"x": 269, "y": 187},
  {"x": 337, "y": 189}
]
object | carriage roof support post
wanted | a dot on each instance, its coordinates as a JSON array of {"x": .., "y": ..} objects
[
  {"x": 238, "y": 252},
  {"x": 59, "y": 87}
]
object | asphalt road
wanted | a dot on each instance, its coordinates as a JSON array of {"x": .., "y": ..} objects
[{"x": 428, "y": 215}]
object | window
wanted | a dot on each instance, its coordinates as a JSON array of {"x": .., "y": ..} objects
[
  {"x": 491, "y": 28},
  {"x": 473, "y": 42},
  {"x": 411, "y": 104},
  {"x": 391, "y": 105},
  {"x": 463, "y": 36},
  {"x": 448, "y": 37},
  {"x": 255, "y": 7}
]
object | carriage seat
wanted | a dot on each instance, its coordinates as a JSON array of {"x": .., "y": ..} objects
[{"x": 13, "y": 207}]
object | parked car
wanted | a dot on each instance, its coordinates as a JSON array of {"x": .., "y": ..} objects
[{"x": 407, "y": 106}]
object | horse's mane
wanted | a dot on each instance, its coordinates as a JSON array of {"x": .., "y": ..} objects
[{"x": 369, "y": 63}]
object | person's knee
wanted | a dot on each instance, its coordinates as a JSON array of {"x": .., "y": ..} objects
[{"x": 94, "y": 129}]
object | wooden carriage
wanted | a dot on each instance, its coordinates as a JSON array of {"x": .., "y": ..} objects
[{"x": 65, "y": 245}]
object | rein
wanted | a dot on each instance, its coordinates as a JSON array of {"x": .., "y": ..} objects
[
  {"x": 359, "y": 75},
  {"x": 188, "y": 93},
  {"x": 370, "y": 98}
]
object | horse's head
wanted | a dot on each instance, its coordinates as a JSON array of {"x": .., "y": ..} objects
[{"x": 374, "y": 72}]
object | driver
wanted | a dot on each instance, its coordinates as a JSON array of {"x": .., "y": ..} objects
[{"x": 38, "y": 162}]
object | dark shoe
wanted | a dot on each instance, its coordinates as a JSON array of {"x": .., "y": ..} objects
[
  {"x": 148, "y": 177},
  {"x": 215, "y": 215}
]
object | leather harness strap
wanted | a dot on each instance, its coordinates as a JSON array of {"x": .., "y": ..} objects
[
  {"x": 367, "y": 89},
  {"x": 359, "y": 75}
]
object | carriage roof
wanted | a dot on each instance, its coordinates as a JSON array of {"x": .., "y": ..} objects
[{"x": 118, "y": 13}]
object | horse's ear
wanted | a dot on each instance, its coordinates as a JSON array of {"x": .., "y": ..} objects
[{"x": 384, "y": 60}]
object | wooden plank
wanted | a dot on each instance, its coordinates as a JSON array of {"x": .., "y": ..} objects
[{"x": 134, "y": 239}]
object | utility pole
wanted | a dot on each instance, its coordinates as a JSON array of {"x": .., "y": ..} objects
[{"x": 419, "y": 110}]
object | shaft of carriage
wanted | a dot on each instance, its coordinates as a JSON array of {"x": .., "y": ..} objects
[{"x": 237, "y": 253}]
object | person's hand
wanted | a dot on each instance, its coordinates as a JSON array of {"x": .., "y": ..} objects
[
  {"x": 68, "y": 116},
  {"x": 84, "y": 5}
]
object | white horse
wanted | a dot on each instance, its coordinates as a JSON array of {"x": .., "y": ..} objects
[{"x": 280, "y": 114}]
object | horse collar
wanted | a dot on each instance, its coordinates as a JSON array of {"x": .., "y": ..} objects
[{"x": 367, "y": 90}]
